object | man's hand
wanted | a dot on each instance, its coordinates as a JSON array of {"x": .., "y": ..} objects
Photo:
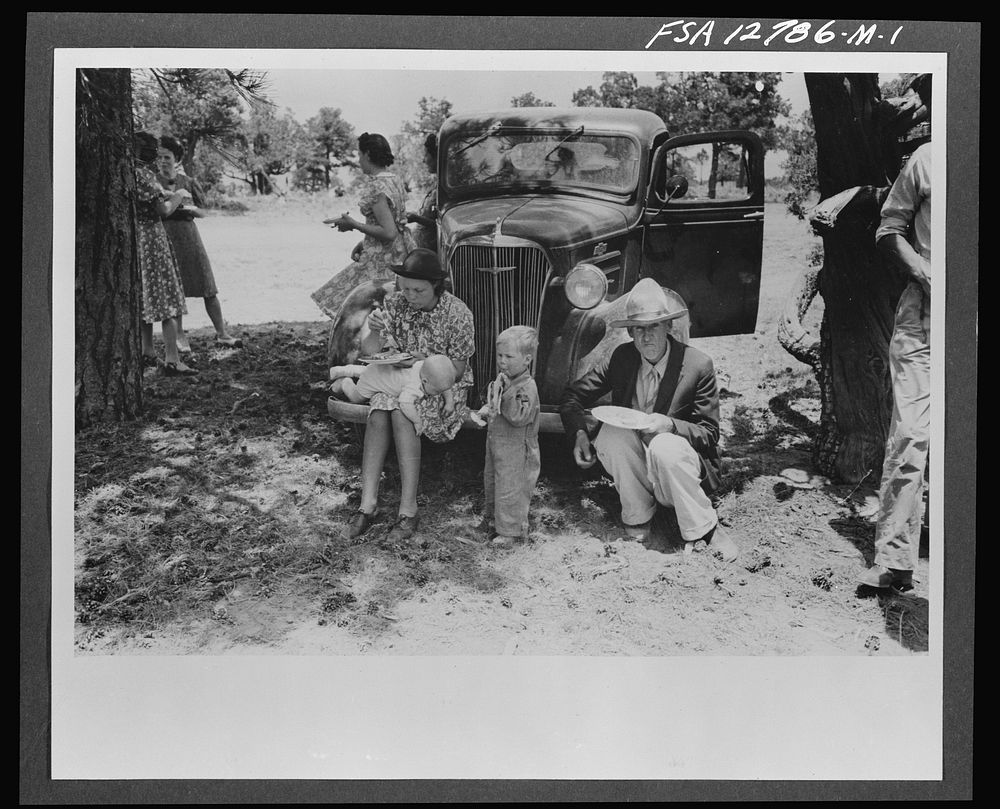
[
  {"x": 903, "y": 257},
  {"x": 658, "y": 423},
  {"x": 583, "y": 451}
]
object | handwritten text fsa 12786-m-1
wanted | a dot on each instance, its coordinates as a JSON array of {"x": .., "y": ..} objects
[{"x": 694, "y": 32}]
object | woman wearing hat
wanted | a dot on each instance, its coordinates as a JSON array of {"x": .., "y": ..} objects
[
  {"x": 387, "y": 239},
  {"x": 673, "y": 460},
  {"x": 421, "y": 318}
]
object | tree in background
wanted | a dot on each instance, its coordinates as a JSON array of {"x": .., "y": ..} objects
[
  {"x": 618, "y": 89},
  {"x": 266, "y": 145},
  {"x": 529, "y": 99},
  {"x": 698, "y": 102},
  {"x": 408, "y": 148},
  {"x": 333, "y": 144},
  {"x": 799, "y": 141},
  {"x": 108, "y": 370},
  {"x": 197, "y": 106}
]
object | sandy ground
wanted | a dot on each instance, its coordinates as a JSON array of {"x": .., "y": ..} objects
[
  {"x": 247, "y": 455},
  {"x": 266, "y": 264}
]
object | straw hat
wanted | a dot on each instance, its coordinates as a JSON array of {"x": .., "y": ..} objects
[{"x": 648, "y": 303}]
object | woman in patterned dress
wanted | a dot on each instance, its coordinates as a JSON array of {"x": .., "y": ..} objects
[
  {"x": 425, "y": 232},
  {"x": 421, "y": 318},
  {"x": 162, "y": 293},
  {"x": 197, "y": 278},
  {"x": 386, "y": 241}
]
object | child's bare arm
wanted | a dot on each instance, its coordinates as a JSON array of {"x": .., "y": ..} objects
[{"x": 341, "y": 371}]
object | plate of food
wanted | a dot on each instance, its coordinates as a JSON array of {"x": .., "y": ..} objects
[
  {"x": 386, "y": 358},
  {"x": 624, "y": 417}
]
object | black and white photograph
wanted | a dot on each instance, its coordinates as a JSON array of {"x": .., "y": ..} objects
[{"x": 461, "y": 412}]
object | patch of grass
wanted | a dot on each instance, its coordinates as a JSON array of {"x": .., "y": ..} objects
[{"x": 742, "y": 425}]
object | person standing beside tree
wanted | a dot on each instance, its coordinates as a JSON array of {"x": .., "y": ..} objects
[
  {"x": 162, "y": 293},
  {"x": 904, "y": 239},
  {"x": 192, "y": 260}
]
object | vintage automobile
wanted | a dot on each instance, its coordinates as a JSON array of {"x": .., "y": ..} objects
[{"x": 549, "y": 216}]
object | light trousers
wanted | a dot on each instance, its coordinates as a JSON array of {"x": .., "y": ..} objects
[
  {"x": 901, "y": 507},
  {"x": 667, "y": 471}
]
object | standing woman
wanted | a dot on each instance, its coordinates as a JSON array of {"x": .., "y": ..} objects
[
  {"x": 192, "y": 260},
  {"x": 421, "y": 319},
  {"x": 425, "y": 233},
  {"x": 162, "y": 294},
  {"x": 386, "y": 241}
]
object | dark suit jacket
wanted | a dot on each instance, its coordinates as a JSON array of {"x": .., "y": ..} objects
[{"x": 693, "y": 403}]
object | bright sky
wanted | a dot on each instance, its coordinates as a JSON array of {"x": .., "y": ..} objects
[{"x": 379, "y": 101}]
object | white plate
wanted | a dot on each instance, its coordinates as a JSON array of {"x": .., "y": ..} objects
[
  {"x": 624, "y": 417},
  {"x": 385, "y": 360}
]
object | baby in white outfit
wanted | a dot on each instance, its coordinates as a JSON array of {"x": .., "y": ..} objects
[{"x": 428, "y": 377}]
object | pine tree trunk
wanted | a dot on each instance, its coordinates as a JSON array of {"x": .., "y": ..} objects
[
  {"x": 108, "y": 353},
  {"x": 859, "y": 291}
]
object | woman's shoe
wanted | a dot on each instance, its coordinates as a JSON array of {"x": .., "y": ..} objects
[
  {"x": 359, "y": 524},
  {"x": 230, "y": 342},
  {"x": 172, "y": 369},
  {"x": 405, "y": 527}
]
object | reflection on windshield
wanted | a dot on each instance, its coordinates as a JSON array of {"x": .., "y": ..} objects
[{"x": 563, "y": 159}]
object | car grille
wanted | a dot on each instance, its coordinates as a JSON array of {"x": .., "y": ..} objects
[{"x": 503, "y": 286}]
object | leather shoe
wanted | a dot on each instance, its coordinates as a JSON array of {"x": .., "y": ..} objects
[
  {"x": 231, "y": 342},
  {"x": 178, "y": 369},
  {"x": 637, "y": 533},
  {"x": 405, "y": 527},
  {"x": 886, "y": 578},
  {"x": 722, "y": 545},
  {"x": 359, "y": 523}
]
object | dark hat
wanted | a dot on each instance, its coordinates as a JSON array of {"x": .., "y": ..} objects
[{"x": 421, "y": 263}]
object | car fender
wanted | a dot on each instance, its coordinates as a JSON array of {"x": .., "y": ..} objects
[{"x": 578, "y": 343}]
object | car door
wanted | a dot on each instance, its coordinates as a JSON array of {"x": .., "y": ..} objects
[{"x": 703, "y": 227}]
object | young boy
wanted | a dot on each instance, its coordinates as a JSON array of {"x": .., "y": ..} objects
[
  {"x": 428, "y": 377},
  {"x": 512, "y": 457}
]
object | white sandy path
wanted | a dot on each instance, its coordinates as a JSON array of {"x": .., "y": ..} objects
[{"x": 266, "y": 266}]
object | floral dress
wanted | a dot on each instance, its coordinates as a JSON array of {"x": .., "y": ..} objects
[
  {"x": 376, "y": 256},
  {"x": 162, "y": 293},
  {"x": 446, "y": 329}
]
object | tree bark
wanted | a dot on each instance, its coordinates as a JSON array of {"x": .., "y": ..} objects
[
  {"x": 859, "y": 291},
  {"x": 108, "y": 354}
]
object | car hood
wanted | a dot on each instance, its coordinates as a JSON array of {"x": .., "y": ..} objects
[{"x": 553, "y": 222}]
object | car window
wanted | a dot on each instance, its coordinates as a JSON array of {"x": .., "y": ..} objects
[
  {"x": 561, "y": 158},
  {"x": 714, "y": 171}
]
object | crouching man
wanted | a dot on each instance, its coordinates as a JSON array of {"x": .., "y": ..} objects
[{"x": 673, "y": 460}]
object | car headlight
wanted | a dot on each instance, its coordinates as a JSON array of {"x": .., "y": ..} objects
[{"x": 586, "y": 286}]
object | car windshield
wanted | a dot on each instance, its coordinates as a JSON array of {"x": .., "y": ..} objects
[{"x": 554, "y": 158}]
